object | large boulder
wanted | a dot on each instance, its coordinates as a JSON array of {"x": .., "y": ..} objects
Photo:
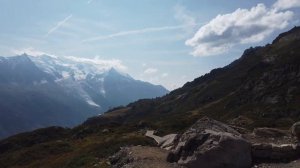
[{"x": 211, "y": 144}]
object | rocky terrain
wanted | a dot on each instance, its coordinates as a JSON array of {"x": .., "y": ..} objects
[
  {"x": 236, "y": 116},
  {"x": 212, "y": 144}
]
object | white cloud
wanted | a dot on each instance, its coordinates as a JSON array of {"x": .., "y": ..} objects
[
  {"x": 183, "y": 16},
  {"x": 240, "y": 27},
  {"x": 134, "y": 32},
  {"x": 31, "y": 51},
  {"x": 286, "y": 4},
  {"x": 58, "y": 25},
  {"x": 150, "y": 71},
  {"x": 103, "y": 63},
  {"x": 77, "y": 28},
  {"x": 106, "y": 64},
  {"x": 188, "y": 23}
]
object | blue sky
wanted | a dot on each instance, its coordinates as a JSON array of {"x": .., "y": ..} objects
[{"x": 166, "y": 42}]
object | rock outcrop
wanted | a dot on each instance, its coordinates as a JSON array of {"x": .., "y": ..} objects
[
  {"x": 165, "y": 142},
  {"x": 279, "y": 152},
  {"x": 265, "y": 152},
  {"x": 211, "y": 144}
]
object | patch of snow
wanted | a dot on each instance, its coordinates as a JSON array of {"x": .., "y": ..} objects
[
  {"x": 65, "y": 74},
  {"x": 92, "y": 103},
  {"x": 79, "y": 70},
  {"x": 87, "y": 98},
  {"x": 75, "y": 75},
  {"x": 102, "y": 89}
]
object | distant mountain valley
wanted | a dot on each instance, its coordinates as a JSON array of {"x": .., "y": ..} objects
[{"x": 41, "y": 91}]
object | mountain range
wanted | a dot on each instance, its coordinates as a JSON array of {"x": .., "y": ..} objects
[
  {"x": 260, "y": 89},
  {"x": 41, "y": 91}
]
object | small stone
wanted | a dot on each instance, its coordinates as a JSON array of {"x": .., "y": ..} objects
[{"x": 105, "y": 130}]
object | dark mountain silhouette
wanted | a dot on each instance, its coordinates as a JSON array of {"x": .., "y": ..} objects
[{"x": 259, "y": 89}]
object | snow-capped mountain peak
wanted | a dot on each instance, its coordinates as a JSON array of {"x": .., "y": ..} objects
[
  {"x": 95, "y": 82},
  {"x": 64, "y": 90},
  {"x": 71, "y": 67}
]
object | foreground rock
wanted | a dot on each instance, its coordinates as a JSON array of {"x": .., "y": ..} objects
[
  {"x": 141, "y": 157},
  {"x": 211, "y": 144},
  {"x": 270, "y": 132},
  {"x": 274, "y": 145},
  {"x": 296, "y": 130},
  {"x": 294, "y": 164},
  {"x": 277, "y": 153},
  {"x": 165, "y": 142}
]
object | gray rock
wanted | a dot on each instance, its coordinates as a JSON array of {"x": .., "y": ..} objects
[
  {"x": 269, "y": 132},
  {"x": 105, "y": 130},
  {"x": 296, "y": 130},
  {"x": 261, "y": 151},
  {"x": 165, "y": 142},
  {"x": 211, "y": 144},
  {"x": 272, "y": 152}
]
